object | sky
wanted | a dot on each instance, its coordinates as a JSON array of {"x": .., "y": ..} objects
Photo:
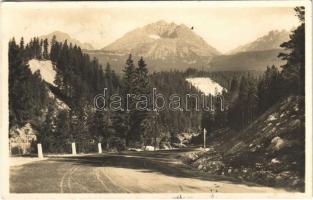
[{"x": 223, "y": 27}]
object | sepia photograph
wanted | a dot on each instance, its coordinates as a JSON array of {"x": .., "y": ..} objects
[{"x": 178, "y": 99}]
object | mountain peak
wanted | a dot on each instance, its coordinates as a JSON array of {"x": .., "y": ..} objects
[
  {"x": 184, "y": 26},
  {"x": 164, "y": 45},
  {"x": 161, "y": 22},
  {"x": 60, "y": 33},
  {"x": 272, "y": 40},
  {"x": 160, "y": 38},
  {"x": 62, "y": 36}
]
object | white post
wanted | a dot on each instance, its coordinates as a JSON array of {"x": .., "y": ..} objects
[
  {"x": 99, "y": 148},
  {"x": 204, "y": 135},
  {"x": 39, "y": 149},
  {"x": 73, "y": 149}
]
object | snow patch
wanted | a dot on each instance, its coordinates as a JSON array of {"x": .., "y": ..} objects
[
  {"x": 206, "y": 85},
  {"x": 45, "y": 68},
  {"x": 60, "y": 104},
  {"x": 154, "y": 37}
]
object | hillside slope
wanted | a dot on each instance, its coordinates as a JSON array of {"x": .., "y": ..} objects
[
  {"x": 23, "y": 139},
  {"x": 47, "y": 72},
  {"x": 252, "y": 60},
  {"x": 269, "y": 151}
]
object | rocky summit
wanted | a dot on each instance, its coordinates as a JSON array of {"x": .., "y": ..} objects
[
  {"x": 161, "y": 40},
  {"x": 163, "y": 45}
]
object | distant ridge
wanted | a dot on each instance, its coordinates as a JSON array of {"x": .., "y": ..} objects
[
  {"x": 256, "y": 55},
  {"x": 270, "y": 41},
  {"x": 246, "y": 61},
  {"x": 61, "y": 37}
]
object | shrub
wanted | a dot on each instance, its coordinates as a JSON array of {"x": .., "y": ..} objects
[{"x": 116, "y": 143}]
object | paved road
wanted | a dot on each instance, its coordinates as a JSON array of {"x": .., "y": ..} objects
[{"x": 131, "y": 172}]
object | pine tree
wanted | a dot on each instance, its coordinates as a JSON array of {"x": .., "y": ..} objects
[
  {"x": 55, "y": 49},
  {"x": 46, "y": 136},
  {"x": 143, "y": 79},
  {"x": 252, "y": 101},
  {"x": 20, "y": 86},
  {"x": 98, "y": 125},
  {"x": 78, "y": 80},
  {"x": 293, "y": 71},
  {"x": 269, "y": 88},
  {"x": 208, "y": 121},
  {"x": 109, "y": 80},
  {"x": 129, "y": 77},
  {"x": 143, "y": 88},
  {"x": 45, "y": 49},
  {"x": 234, "y": 90},
  {"x": 22, "y": 43},
  {"x": 129, "y": 87},
  {"x": 120, "y": 124}
]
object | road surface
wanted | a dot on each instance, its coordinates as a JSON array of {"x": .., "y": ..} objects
[{"x": 130, "y": 172}]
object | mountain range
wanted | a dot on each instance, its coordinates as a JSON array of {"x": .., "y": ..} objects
[
  {"x": 256, "y": 55},
  {"x": 169, "y": 46},
  {"x": 270, "y": 41}
]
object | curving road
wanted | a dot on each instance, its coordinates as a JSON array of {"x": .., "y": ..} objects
[{"x": 130, "y": 172}]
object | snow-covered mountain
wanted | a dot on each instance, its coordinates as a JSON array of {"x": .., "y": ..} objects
[
  {"x": 61, "y": 37},
  {"x": 163, "y": 45},
  {"x": 270, "y": 41}
]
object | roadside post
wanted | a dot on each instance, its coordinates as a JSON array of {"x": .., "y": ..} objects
[
  {"x": 73, "y": 149},
  {"x": 204, "y": 138},
  {"x": 99, "y": 148},
  {"x": 39, "y": 149}
]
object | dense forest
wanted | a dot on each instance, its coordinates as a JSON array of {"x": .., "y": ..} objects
[{"x": 80, "y": 78}]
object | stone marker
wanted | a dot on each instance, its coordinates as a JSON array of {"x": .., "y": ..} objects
[
  {"x": 204, "y": 139},
  {"x": 73, "y": 149},
  {"x": 99, "y": 148},
  {"x": 39, "y": 148}
]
